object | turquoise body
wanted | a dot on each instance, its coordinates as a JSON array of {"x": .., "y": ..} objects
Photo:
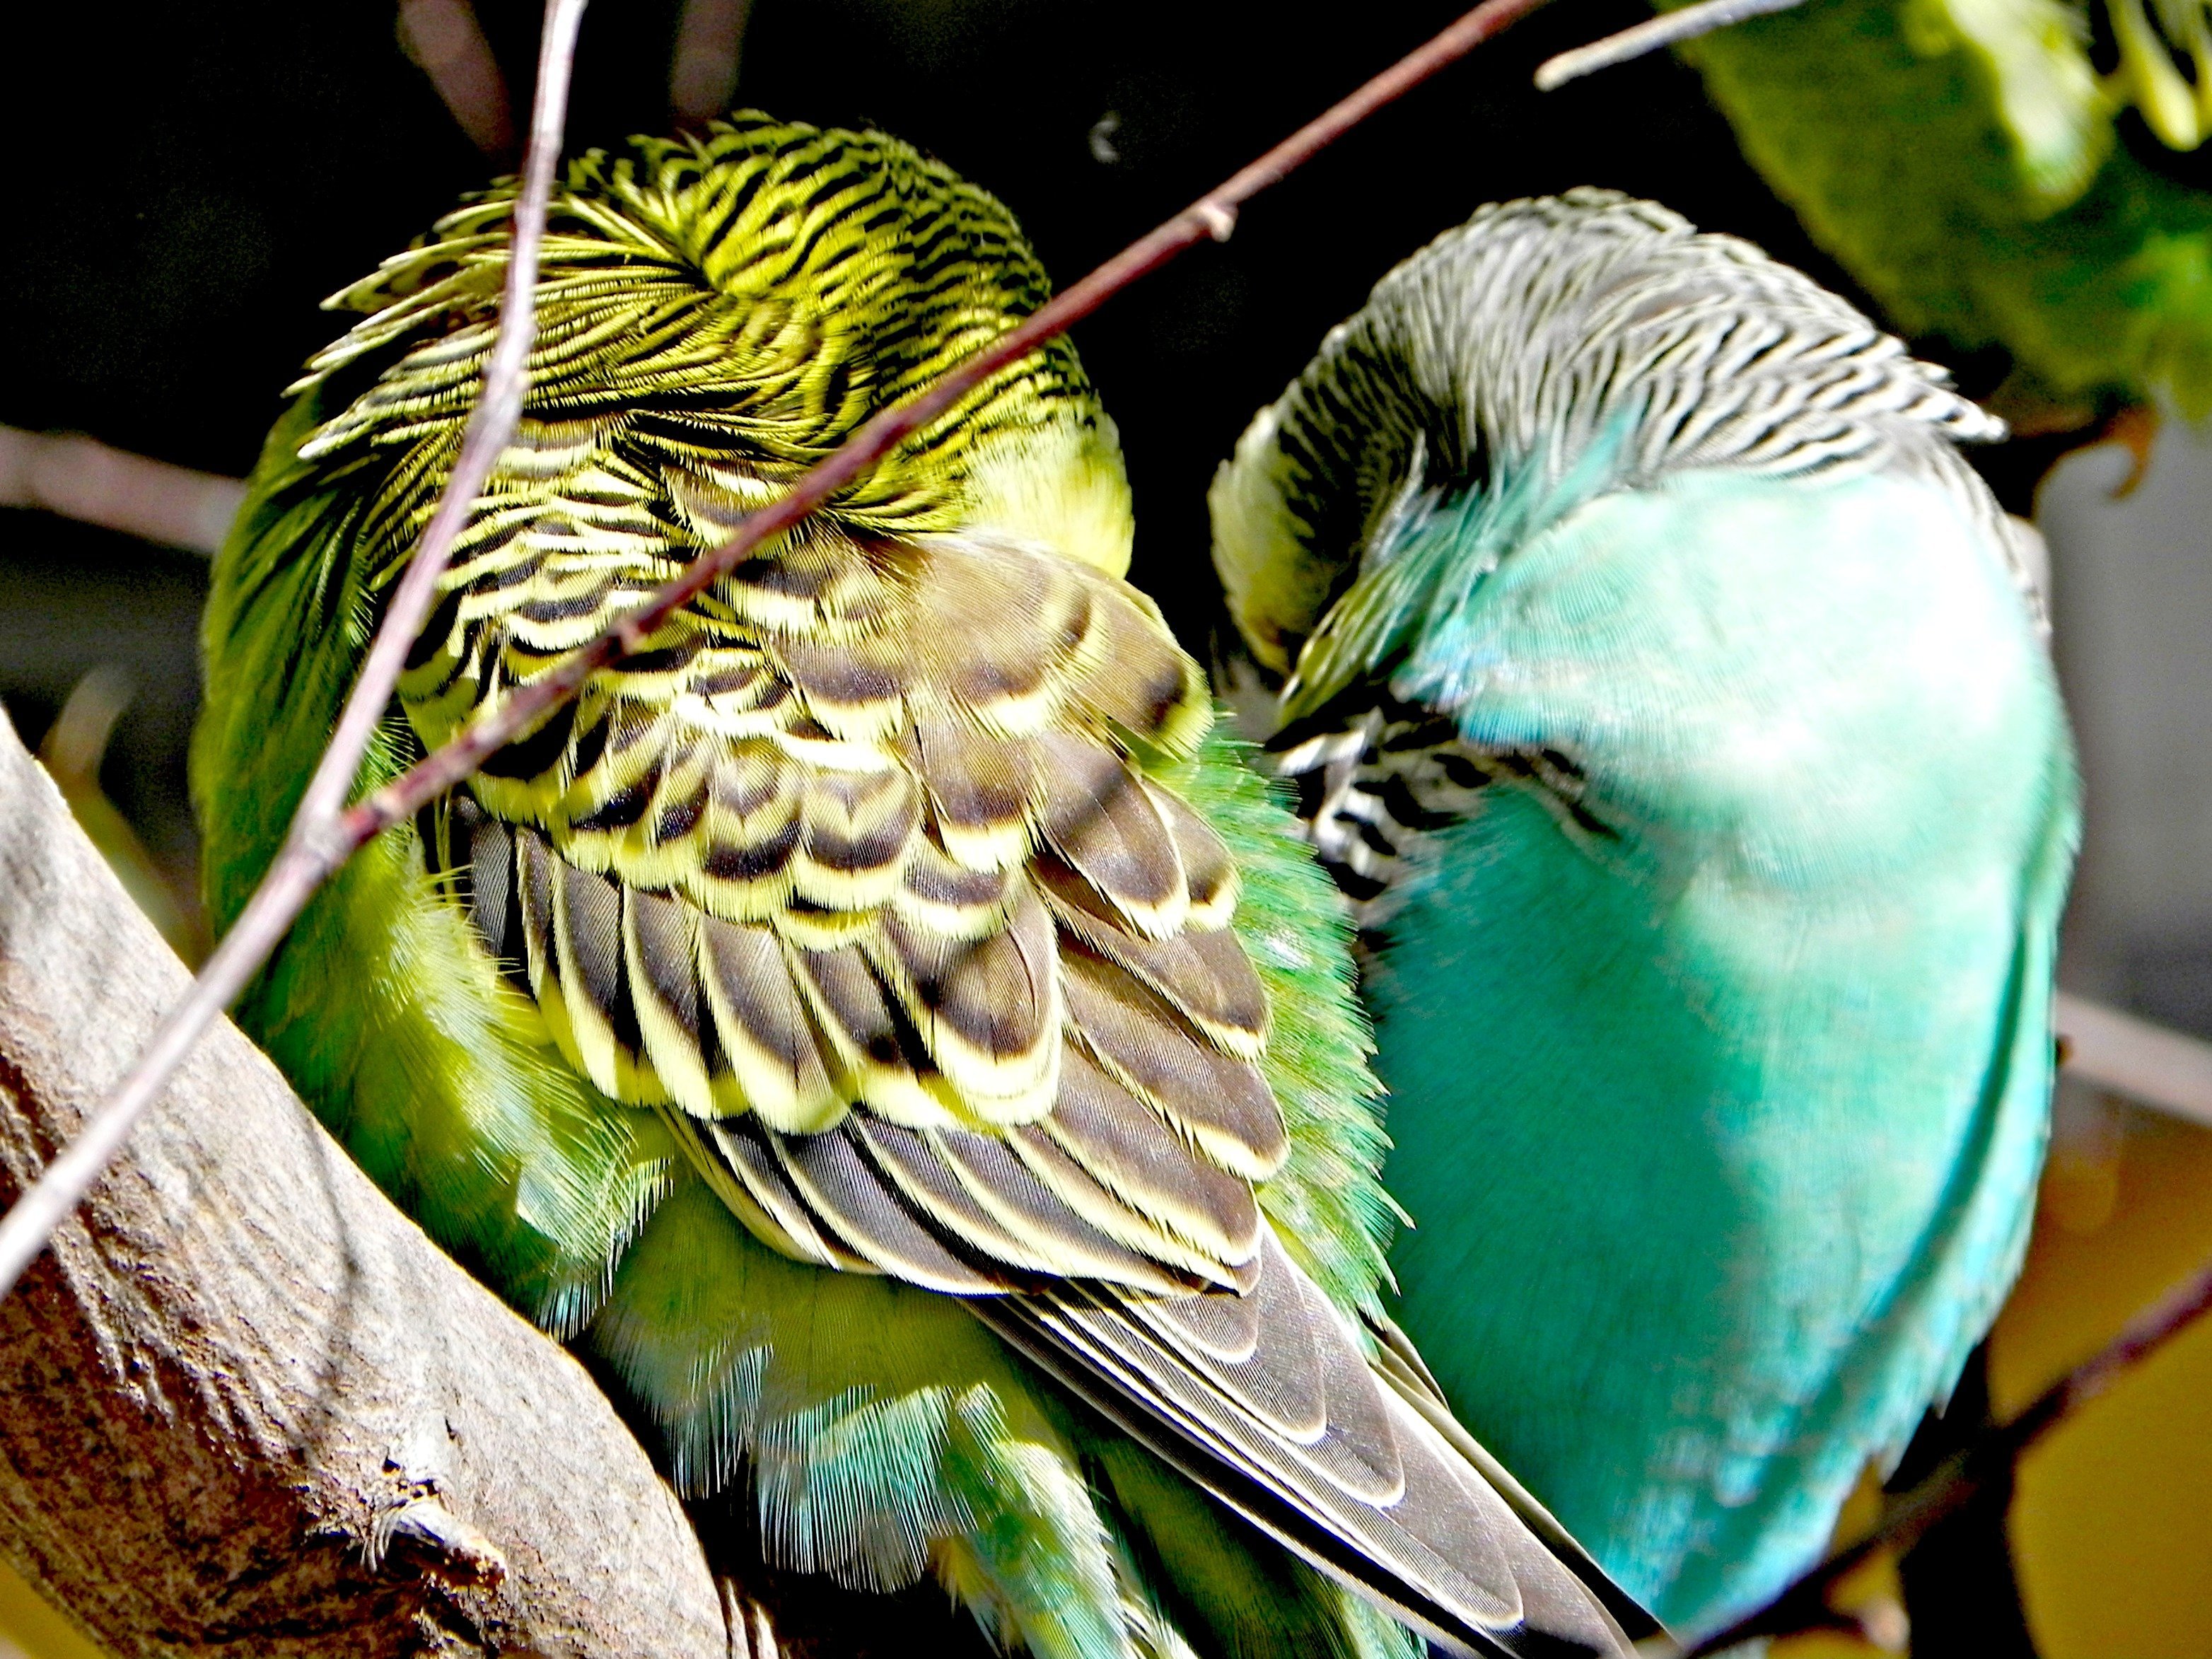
[{"x": 1720, "y": 1131}]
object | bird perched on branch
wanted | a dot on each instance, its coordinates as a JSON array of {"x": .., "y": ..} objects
[
  {"x": 877, "y": 1020},
  {"x": 1666, "y": 693}
]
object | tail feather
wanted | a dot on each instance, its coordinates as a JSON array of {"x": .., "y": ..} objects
[{"x": 1349, "y": 1463}]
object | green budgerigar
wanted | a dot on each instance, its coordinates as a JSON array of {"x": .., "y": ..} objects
[
  {"x": 1963, "y": 161},
  {"x": 1668, "y": 692},
  {"x": 877, "y": 1020}
]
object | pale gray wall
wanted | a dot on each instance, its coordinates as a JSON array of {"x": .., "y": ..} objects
[{"x": 2132, "y": 609}]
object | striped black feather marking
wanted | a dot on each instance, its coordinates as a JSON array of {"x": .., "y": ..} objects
[
  {"x": 839, "y": 1187},
  {"x": 1377, "y": 779},
  {"x": 1538, "y": 334},
  {"x": 1524, "y": 337}
]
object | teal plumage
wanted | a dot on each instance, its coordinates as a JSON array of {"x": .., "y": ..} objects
[
  {"x": 1665, "y": 690},
  {"x": 877, "y": 1020}
]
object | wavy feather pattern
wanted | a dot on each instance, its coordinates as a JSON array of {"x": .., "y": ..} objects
[{"x": 1603, "y": 320}]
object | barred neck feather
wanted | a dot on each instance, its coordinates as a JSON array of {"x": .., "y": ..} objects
[{"x": 734, "y": 305}]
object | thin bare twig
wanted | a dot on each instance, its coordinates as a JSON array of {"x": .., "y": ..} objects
[
  {"x": 82, "y": 479},
  {"x": 1986, "y": 1465},
  {"x": 316, "y": 845},
  {"x": 320, "y": 842},
  {"x": 2147, "y": 1063},
  {"x": 1671, "y": 29},
  {"x": 446, "y": 43}
]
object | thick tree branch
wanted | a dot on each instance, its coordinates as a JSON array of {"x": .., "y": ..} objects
[{"x": 245, "y": 1405}]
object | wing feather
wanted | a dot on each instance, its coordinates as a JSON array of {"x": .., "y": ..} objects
[
  {"x": 866, "y": 877},
  {"x": 1216, "y": 1262},
  {"x": 1219, "y": 1100},
  {"x": 1022, "y": 1228},
  {"x": 838, "y": 1185},
  {"x": 744, "y": 1171},
  {"x": 1062, "y": 1240},
  {"x": 774, "y": 1063},
  {"x": 881, "y": 1058},
  {"x": 990, "y": 1008},
  {"x": 1100, "y": 818},
  {"x": 982, "y": 791},
  {"x": 1447, "y": 1554},
  {"x": 660, "y": 960},
  {"x": 1137, "y": 1156}
]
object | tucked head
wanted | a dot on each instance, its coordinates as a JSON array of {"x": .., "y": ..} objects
[
  {"x": 750, "y": 294},
  {"x": 1553, "y": 347}
]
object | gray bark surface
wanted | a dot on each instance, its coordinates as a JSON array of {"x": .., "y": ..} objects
[{"x": 246, "y": 1406}]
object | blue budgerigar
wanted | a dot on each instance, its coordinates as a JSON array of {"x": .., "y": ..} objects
[{"x": 1667, "y": 694}]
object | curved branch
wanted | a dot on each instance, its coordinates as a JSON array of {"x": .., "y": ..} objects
[{"x": 245, "y": 1404}]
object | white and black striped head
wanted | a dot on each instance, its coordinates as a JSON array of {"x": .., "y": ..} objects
[{"x": 1522, "y": 340}]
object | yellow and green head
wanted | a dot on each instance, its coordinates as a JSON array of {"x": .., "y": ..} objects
[{"x": 746, "y": 297}]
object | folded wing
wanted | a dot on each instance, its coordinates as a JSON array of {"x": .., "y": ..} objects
[{"x": 866, "y": 878}]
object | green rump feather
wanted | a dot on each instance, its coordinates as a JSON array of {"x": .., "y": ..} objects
[
  {"x": 1328, "y": 1204},
  {"x": 893, "y": 925}
]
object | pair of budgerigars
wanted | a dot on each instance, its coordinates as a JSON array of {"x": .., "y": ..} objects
[{"x": 889, "y": 1025}]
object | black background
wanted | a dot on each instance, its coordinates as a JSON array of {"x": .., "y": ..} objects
[{"x": 190, "y": 180}]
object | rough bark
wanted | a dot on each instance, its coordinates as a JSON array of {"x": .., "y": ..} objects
[{"x": 245, "y": 1404}]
